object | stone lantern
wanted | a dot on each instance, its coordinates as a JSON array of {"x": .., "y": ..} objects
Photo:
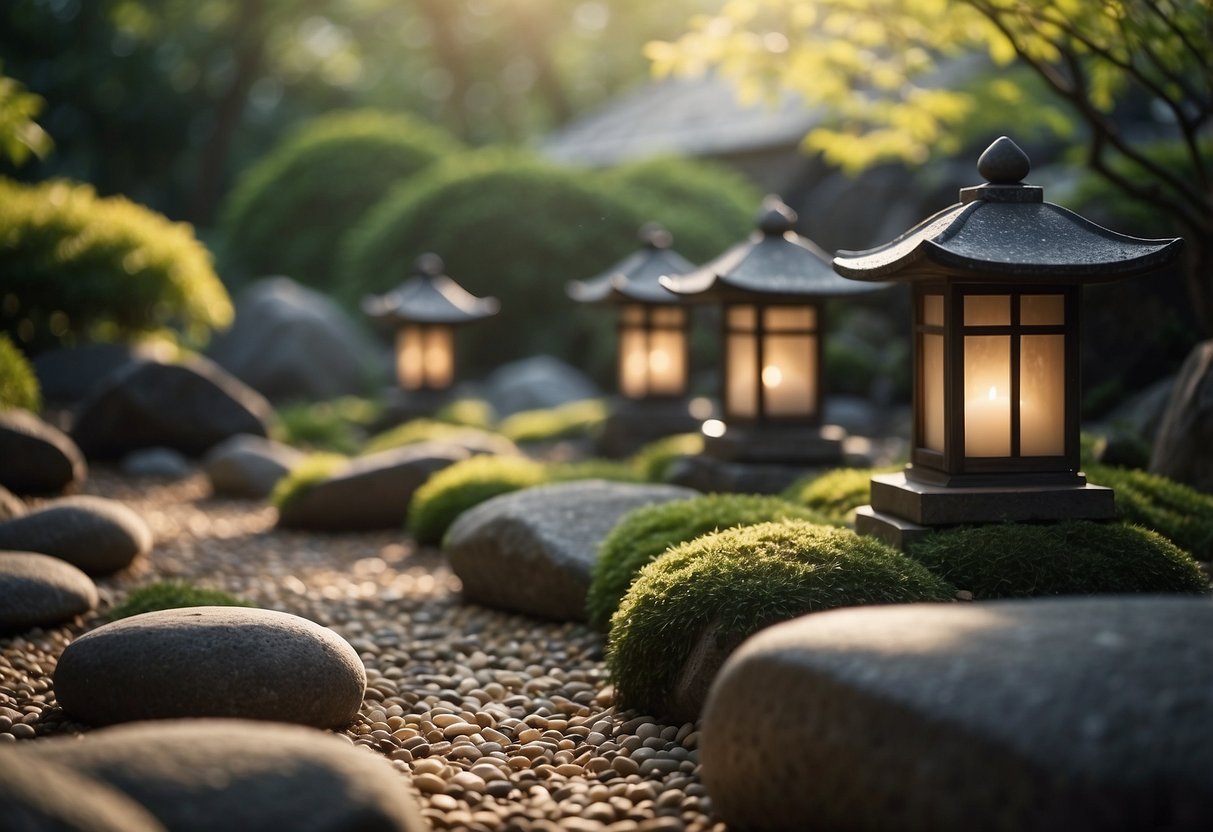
[
  {"x": 772, "y": 287},
  {"x": 425, "y": 311},
  {"x": 997, "y": 292}
]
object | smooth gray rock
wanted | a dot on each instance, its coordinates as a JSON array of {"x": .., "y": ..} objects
[
  {"x": 1075, "y": 714},
  {"x": 532, "y": 551},
  {"x": 36, "y": 457},
  {"x": 1141, "y": 414},
  {"x": 95, "y": 534},
  {"x": 372, "y": 492},
  {"x": 162, "y": 463},
  {"x": 248, "y": 466},
  {"x": 1183, "y": 449},
  {"x": 207, "y": 775},
  {"x": 189, "y": 407},
  {"x": 211, "y": 662},
  {"x": 68, "y": 375},
  {"x": 289, "y": 342},
  {"x": 535, "y": 383},
  {"x": 10, "y": 505},
  {"x": 39, "y": 796},
  {"x": 39, "y": 589}
]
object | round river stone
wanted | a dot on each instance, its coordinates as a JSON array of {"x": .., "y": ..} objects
[
  {"x": 95, "y": 534},
  {"x": 38, "y": 589}
]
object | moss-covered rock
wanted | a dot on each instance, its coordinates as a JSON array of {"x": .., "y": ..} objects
[
  {"x": 1174, "y": 510},
  {"x": 654, "y": 458},
  {"x": 836, "y": 494},
  {"x": 645, "y": 534},
  {"x": 337, "y": 426},
  {"x": 594, "y": 469},
  {"x": 579, "y": 418},
  {"x": 687, "y": 610},
  {"x": 428, "y": 430},
  {"x": 454, "y": 490},
  {"x": 18, "y": 385},
  {"x": 1015, "y": 560},
  {"x": 472, "y": 413},
  {"x": 315, "y": 469},
  {"x": 167, "y": 595}
]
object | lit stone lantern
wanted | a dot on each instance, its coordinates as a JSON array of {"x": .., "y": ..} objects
[
  {"x": 425, "y": 311},
  {"x": 772, "y": 288},
  {"x": 997, "y": 290}
]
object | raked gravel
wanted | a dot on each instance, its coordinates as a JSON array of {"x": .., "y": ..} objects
[{"x": 501, "y": 722}]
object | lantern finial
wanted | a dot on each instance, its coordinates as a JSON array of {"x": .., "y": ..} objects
[
  {"x": 775, "y": 217},
  {"x": 428, "y": 265},
  {"x": 1004, "y": 163},
  {"x": 654, "y": 235}
]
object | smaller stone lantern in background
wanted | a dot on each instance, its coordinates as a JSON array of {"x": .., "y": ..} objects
[
  {"x": 997, "y": 297},
  {"x": 653, "y": 363},
  {"x": 425, "y": 311},
  {"x": 772, "y": 288}
]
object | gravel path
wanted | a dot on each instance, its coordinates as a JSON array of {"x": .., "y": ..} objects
[{"x": 502, "y": 722}]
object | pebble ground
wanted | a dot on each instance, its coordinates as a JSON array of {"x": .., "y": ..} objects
[{"x": 498, "y": 722}]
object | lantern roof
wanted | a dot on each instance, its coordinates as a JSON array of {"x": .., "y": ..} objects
[
  {"x": 429, "y": 297},
  {"x": 634, "y": 278},
  {"x": 1005, "y": 230},
  {"x": 773, "y": 261}
]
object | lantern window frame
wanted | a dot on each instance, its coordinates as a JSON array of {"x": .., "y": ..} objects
[
  {"x": 647, "y": 326},
  {"x": 760, "y": 332}
]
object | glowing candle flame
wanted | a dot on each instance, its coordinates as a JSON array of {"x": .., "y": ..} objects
[
  {"x": 993, "y": 393},
  {"x": 659, "y": 360},
  {"x": 772, "y": 376}
]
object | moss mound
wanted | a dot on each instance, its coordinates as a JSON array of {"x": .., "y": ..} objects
[
  {"x": 594, "y": 469},
  {"x": 1176, "y": 511},
  {"x": 654, "y": 458},
  {"x": 288, "y": 213},
  {"x": 568, "y": 420},
  {"x": 733, "y": 583},
  {"x": 169, "y": 595},
  {"x": 467, "y": 483},
  {"x": 472, "y": 413},
  {"x": 424, "y": 430},
  {"x": 337, "y": 426},
  {"x": 646, "y": 533},
  {"x": 307, "y": 473},
  {"x": 836, "y": 494},
  {"x": 1016, "y": 560},
  {"x": 18, "y": 384},
  {"x": 80, "y": 267}
]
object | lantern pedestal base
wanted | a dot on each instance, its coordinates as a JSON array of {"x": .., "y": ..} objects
[
  {"x": 405, "y": 405},
  {"x": 903, "y": 510},
  {"x": 634, "y": 423},
  {"x": 778, "y": 444}
]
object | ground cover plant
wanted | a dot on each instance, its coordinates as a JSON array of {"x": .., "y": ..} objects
[
  {"x": 168, "y": 595},
  {"x": 837, "y": 493},
  {"x": 339, "y": 426},
  {"x": 564, "y": 421},
  {"x": 18, "y": 384},
  {"x": 1174, "y": 510},
  {"x": 1014, "y": 560},
  {"x": 732, "y": 583},
  {"x": 646, "y": 533}
]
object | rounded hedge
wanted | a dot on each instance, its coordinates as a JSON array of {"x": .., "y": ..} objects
[
  {"x": 18, "y": 384},
  {"x": 467, "y": 483},
  {"x": 78, "y": 266},
  {"x": 837, "y": 493},
  {"x": 1176, "y": 511},
  {"x": 288, "y": 213},
  {"x": 733, "y": 583},
  {"x": 1017, "y": 560},
  {"x": 645, "y": 534}
]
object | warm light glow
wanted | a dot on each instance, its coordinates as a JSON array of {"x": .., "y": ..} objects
[
  {"x": 987, "y": 416},
  {"x": 713, "y": 428},
  {"x": 993, "y": 393},
  {"x": 784, "y": 383},
  {"x": 652, "y": 358},
  {"x": 771, "y": 376},
  {"x": 425, "y": 357},
  {"x": 659, "y": 361},
  {"x": 700, "y": 408}
]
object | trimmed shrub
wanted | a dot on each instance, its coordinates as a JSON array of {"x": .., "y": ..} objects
[
  {"x": 644, "y": 534},
  {"x": 80, "y": 267},
  {"x": 169, "y": 595},
  {"x": 423, "y": 430},
  {"x": 339, "y": 426},
  {"x": 467, "y": 483},
  {"x": 1016, "y": 560},
  {"x": 288, "y": 213},
  {"x": 728, "y": 585},
  {"x": 315, "y": 469},
  {"x": 1176, "y": 511},
  {"x": 836, "y": 494},
  {"x": 472, "y": 413},
  {"x": 654, "y": 459},
  {"x": 565, "y": 421},
  {"x": 18, "y": 384}
]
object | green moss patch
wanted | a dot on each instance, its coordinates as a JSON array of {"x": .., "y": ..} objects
[
  {"x": 422, "y": 430},
  {"x": 836, "y": 494},
  {"x": 338, "y": 426},
  {"x": 1015, "y": 560},
  {"x": 568, "y": 420},
  {"x": 594, "y": 469},
  {"x": 169, "y": 595},
  {"x": 738, "y": 581},
  {"x": 472, "y": 413},
  {"x": 646, "y": 533},
  {"x": 1176, "y": 511},
  {"x": 654, "y": 458},
  {"x": 18, "y": 384},
  {"x": 315, "y": 469},
  {"x": 467, "y": 483}
]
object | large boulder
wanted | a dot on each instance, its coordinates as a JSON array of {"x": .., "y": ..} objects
[
  {"x": 533, "y": 551},
  {"x": 371, "y": 492},
  {"x": 68, "y": 375},
  {"x": 39, "y": 589},
  {"x": 248, "y": 466},
  {"x": 38, "y": 458},
  {"x": 289, "y": 342},
  {"x": 189, "y": 407},
  {"x": 1075, "y": 714},
  {"x": 536, "y": 383},
  {"x": 1183, "y": 449},
  {"x": 211, "y": 662},
  {"x": 92, "y": 533},
  {"x": 205, "y": 775}
]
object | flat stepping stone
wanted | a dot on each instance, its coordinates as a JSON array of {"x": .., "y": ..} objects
[
  {"x": 207, "y": 775},
  {"x": 532, "y": 551},
  {"x": 36, "y": 794},
  {"x": 38, "y": 457},
  {"x": 211, "y": 662},
  {"x": 371, "y": 492},
  {"x": 95, "y": 534},
  {"x": 248, "y": 466},
  {"x": 1075, "y": 714},
  {"x": 189, "y": 407},
  {"x": 37, "y": 590}
]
